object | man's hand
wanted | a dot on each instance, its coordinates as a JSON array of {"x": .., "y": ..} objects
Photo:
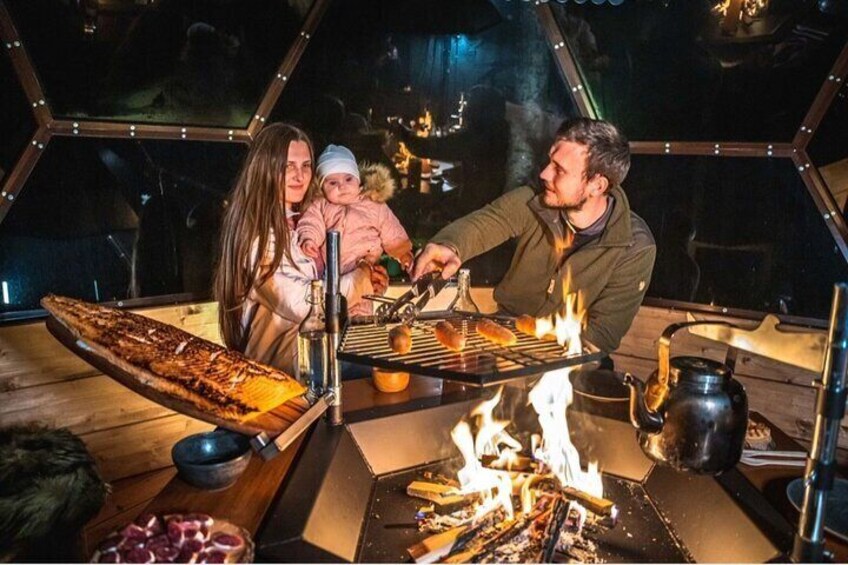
[
  {"x": 310, "y": 249},
  {"x": 434, "y": 257},
  {"x": 379, "y": 279},
  {"x": 406, "y": 260}
]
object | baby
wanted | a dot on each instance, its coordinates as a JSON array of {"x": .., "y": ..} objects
[{"x": 358, "y": 210}]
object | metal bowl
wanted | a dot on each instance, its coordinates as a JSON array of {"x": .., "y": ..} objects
[{"x": 212, "y": 460}]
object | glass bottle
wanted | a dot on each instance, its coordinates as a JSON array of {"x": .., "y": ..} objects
[
  {"x": 462, "y": 301},
  {"x": 312, "y": 345}
]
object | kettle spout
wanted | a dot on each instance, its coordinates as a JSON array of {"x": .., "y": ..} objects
[{"x": 640, "y": 416}]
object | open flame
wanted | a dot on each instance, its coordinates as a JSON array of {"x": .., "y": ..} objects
[
  {"x": 402, "y": 158},
  {"x": 550, "y": 398},
  {"x": 721, "y": 8},
  {"x": 492, "y": 434},
  {"x": 493, "y": 487},
  {"x": 568, "y": 324},
  {"x": 564, "y": 326}
]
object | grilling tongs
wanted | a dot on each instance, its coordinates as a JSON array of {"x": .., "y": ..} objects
[{"x": 410, "y": 304}]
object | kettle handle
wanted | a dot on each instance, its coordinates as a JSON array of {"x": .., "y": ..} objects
[{"x": 664, "y": 357}]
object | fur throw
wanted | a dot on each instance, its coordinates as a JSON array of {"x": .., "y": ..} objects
[
  {"x": 377, "y": 181},
  {"x": 49, "y": 490}
]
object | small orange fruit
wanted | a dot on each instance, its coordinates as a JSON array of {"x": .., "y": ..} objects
[{"x": 390, "y": 381}]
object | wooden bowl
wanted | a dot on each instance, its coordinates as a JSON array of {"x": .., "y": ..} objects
[{"x": 390, "y": 381}]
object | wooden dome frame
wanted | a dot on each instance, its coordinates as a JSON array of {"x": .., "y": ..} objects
[{"x": 49, "y": 126}]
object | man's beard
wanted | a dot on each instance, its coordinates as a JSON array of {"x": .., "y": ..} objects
[{"x": 575, "y": 207}]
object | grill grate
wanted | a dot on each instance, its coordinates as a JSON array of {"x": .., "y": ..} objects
[{"x": 480, "y": 363}]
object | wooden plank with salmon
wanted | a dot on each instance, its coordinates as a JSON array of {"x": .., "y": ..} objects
[{"x": 177, "y": 369}]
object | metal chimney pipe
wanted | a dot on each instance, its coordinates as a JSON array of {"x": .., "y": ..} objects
[
  {"x": 334, "y": 303},
  {"x": 830, "y": 408}
]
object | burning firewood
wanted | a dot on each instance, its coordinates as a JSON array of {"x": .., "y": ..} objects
[
  {"x": 518, "y": 463},
  {"x": 439, "y": 545},
  {"x": 522, "y": 468},
  {"x": 434, "y": 547},
  {"x": 600, "y": 506},
  {"x": 553, "y": 524},
  {"x": 527, "y": 538},
  {"x": 551, "y": 535},
  {"x": 476, "y": 542},
  {"x": 445, "y": 497},
  {"x": 441, "y": 479}
]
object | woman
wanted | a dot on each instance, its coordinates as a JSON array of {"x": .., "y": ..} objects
[{"x": 263, "y": 276}]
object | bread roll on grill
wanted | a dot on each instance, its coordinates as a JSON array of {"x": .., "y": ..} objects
[
  {"x": 526, "y": 324},
  {"x": 400, "y": 339},
  {"x": 449, "y": 336},
  {"x": 495, "y": 332}
]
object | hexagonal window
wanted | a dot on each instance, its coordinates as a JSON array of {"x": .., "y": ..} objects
[
  {"x": 829, "y": 151},
  {"x": 475, "y": 112},
  {"x": 17, "y": 122},
  {"x": 198, "y": 63},
  {"x": 686, "y": 71},
  {"x": 106, "y": 220},
  {"x": 737, "y": 233}
]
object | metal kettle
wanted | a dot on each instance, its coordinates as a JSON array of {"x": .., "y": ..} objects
[{"x": 692, "y": 414}]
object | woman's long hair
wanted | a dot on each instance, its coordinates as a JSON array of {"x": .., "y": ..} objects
[{"x": 255, "y": 211}]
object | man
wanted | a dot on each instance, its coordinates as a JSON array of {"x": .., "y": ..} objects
[{"x": 579, "y": 228}]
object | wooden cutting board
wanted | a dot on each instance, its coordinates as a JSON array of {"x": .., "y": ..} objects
[{"x": 273, "y": 422}]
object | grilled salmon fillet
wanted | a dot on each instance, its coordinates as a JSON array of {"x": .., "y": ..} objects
[{"x": 211, "y": 377}]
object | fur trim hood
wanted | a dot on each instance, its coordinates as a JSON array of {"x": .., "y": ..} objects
[
  {"x": 49, "y": 490},
  {"x": 377, "y": 181}
]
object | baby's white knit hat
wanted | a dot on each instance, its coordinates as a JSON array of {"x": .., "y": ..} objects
[{"x": 336, "y": 159}]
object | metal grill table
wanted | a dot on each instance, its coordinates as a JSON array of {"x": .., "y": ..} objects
[{"x": 481, "y": 363}]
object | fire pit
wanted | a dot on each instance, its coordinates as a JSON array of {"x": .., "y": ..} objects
[
  {"x": 640, "y": 535},
  {"x": 347, "y": 499}
]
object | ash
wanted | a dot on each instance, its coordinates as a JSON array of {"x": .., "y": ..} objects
[
  {"x": 575, "y": 546},
  {"x": 433, "y": 522},
  {"x": 520, "y": 549}
]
